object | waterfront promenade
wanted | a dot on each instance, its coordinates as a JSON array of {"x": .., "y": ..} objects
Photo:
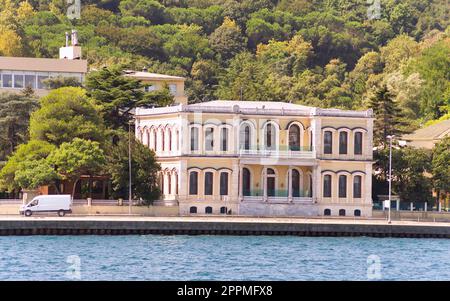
[{"x": 123, "y": 225}]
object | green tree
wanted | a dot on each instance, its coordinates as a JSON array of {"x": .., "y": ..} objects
[
  {"x": 144, "y": 171},
  {"x": 32, "y": 174},
  {"x": 61, "y": 81},
  {"x": 441, "y": 167},
  {"x": 116, "y": 95},
  {"x": 65, "y": 114},
  {"x": 15, "y": 111},
  {"x": 150, "y": 9},
  {"x": 77, "y": 158},
  {"x": 388, "y": 117},
  {"x": 34, "y": 150},
  {"x": 227, "y": 39}
]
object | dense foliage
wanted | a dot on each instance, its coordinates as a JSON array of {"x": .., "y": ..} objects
[{"x": 316, "y": 52}]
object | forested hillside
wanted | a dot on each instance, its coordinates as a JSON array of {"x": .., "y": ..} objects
[{"x": 328, "y": 53}]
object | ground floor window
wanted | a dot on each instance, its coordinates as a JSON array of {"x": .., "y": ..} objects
[
  {"x": 208, "y": 210},
  {"x": 342, "y": 212},
  {"x": 193, "y": 210},
  {"x": 327, "y": 212},
  {"x": 357, "y": 212},
  {"x": 223, "y": 210}
]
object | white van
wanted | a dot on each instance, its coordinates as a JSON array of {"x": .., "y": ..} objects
[{"x": 60, "y": 203}]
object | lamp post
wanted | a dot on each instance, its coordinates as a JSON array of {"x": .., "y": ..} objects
[
  {"x": 129, "y": 168},
  {"x": 390, "y": 137}
]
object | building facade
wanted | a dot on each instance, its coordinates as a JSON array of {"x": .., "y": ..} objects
[
  {"x": 18, "y": 73},
  {"x": 261, "y": 158}
]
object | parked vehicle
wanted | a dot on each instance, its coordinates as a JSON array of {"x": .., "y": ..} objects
[{"x": 61, "y": 204}]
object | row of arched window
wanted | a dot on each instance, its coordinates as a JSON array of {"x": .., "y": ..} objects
[
  {"x": 342, "y": 186},
  {"x": 342, "y": 212},
  {"x": 160, "y": 138},
  {"x": 208, "y": 183},
  {"x": 343, "y": 141},
  {"x": 168, "y": 182}
]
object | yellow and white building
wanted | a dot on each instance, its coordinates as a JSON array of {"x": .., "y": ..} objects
[{"x": 261, "y": 158}]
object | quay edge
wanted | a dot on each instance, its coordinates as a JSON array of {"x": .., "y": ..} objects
[{"x": 168, "y": 227}]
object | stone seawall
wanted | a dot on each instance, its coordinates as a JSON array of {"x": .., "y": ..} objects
[{"x": 218, "y": 226}]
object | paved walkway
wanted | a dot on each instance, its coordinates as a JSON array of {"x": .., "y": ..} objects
[{"x": 231, "y": 219}]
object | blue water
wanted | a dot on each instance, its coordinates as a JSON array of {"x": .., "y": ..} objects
[{"x": 149, "y": 257}]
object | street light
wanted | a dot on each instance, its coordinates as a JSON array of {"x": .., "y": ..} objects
[
  {"x": 129, "y": 168},
  {"x": 390, "y": 137}
]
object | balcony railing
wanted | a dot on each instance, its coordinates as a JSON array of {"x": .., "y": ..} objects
[
  {"x": 282, "y": 152},
  {"x": 277, "y": 196}
]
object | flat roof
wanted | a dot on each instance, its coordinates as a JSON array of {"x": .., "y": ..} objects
[
  {"x": 43, "y": 64},
  {"x": 151, "y": 76},
  {"x": 254, "y": 108}
]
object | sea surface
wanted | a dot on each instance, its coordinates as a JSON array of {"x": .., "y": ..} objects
[{"x": 153, "y": 257}]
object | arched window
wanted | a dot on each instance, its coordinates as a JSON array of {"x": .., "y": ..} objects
[
  {"x": 270, "y": 182},
  {"x": 327, "y": 212},
  {"x": 357, "y": 212},
  {"x": 163, "y": 140},
  {"x": 327, "y": 186},
  {"x": 343, "y": 141},
  {"x": 310, "y": 194},
  {"x": 327, "y": 142},
  {"x": 223, "y": 210},
  {"x": 294, "y": 138},
  {"x": 169, "y": 183},
  {"x": 161, "y": 179},
  {"x": 245, "y": 137},
  {"x": 155, "y": 140},
  {"x": 193, "y": 183},
  {"x": 358, "y": 143},
  {"x": 341, "y": 212},
  {"x": 223, "y": 183},
  {"x": 178, "y": 140},
  {"x": 208, "y": 210},
  {"x": 342, "y": 186},
  {"x": 209, "y": 139},
  {"x": 193, "y": 209},
  {"x": 194, "y": 139},
  {"x": 170, "y": 139},
  {"x": 357, "y": 186},
  {"x": 224, "y": 140},
  {"x": 295, "y": 184},
  {"x": 209, "y": 183},
  {"x": 246, "y": 182},
  {"x": 176, "y": 182},
  {"x": 270, "y": 137}
]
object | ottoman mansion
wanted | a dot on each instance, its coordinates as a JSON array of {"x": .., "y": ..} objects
[{"x": 261, "y": 158}]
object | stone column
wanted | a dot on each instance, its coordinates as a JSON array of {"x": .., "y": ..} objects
[
  {"x": 264, "y": 178},
  {"x": 317, "y": 182},
  {"x": 289, "y": 184},
  {"x": 236, "y": 183},
  {"x": 182, "y": 180}
]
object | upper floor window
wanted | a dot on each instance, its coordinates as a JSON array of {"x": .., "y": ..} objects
[
  {"x": 194, "y": 139},
  {"x": 358, "y": 143},
  {"x": 270, "y": 136},
  {"x": 224, "y": 139},
  {"x": 150, "y": 88},
  {"x": 294, "y": 138},
  {"x": 18, "y": 81},
  {"x": 224, "y": 183},
  {"x": 173, "y": 89},
  {"x": 193, "y": 183},
  {"x": 328, "y": 142},
  {"x": 245, "y": 137},
  {"x": 343, "y": 138},
  {"x": 209, "y": 139},
  {"x": 327, "y": 186},
  {"x": 357, "y": 186},
  {"x": 209, "y": 183},
  {"x": 342, "y": 186},
  {"x": 7, "y": 81}
]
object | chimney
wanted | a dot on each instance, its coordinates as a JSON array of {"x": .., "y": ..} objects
[{"x": 72, "y": 51}]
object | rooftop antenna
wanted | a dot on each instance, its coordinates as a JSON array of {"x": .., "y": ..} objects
[
  {"x": 74, "y": 37},
  {"x": 67, "y": 39}
]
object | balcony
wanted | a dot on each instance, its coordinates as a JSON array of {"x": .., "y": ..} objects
[
  {"x": 282, "y": 152},
  {"x": 277, "y": 196}
]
